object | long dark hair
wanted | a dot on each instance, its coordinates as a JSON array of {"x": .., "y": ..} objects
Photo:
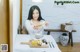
[{"x": 31, "y": 13}]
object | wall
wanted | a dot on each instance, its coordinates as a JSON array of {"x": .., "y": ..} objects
[
  {"x": 4, "y": 17},
  {"x": 55, "y": 15},
  {"x": 16, "y": 17},
  {"x": 11, "y": 25}
]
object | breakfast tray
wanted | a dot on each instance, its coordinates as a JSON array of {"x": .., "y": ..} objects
[{"x": 32, "y": 46}]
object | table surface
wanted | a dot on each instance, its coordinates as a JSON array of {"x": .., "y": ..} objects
[{"x": 17, "y": 47}]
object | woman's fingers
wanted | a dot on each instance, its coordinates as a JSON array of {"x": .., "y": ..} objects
[
  {"x": 35, "y": 27},
  {"x": 46, "y": 23}
]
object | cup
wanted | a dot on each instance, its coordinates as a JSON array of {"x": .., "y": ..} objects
[{"x": 38, "y": 36}]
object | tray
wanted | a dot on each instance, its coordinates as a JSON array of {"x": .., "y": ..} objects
[{"x": 35, "y": 45}]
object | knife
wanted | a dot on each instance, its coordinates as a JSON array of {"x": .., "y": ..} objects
[{"x": 52, "y": 45}]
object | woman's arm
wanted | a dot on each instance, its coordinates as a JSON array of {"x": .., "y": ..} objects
[
  {"x": 29, "y": 27},
  {"x": 42, "y": 24},
  {"x": 39, "y": 25}
]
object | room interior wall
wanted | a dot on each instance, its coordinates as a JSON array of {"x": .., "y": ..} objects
[
  {"x": 16, "y": 18},
  {"x": 4, "y": 23},
  {"x": 11, "y": 25}
]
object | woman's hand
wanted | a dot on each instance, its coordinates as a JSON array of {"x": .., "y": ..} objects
[
  {"x": 35, "y": 27},
  {"x": 46, "y": 23},
  {"x": 38, "y": 26}
]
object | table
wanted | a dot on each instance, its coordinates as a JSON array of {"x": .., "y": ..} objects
[
  {"x": 59, "y": 30},
  {"x": 17, "y": 47}
]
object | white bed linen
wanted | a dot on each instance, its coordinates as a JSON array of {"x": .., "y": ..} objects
[{"x": 17, "y": 47}]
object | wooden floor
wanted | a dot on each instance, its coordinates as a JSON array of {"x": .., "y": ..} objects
[{"x": 75, "y": 48}]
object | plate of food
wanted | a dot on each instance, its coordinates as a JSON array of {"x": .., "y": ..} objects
[{"x": 37, "y": 43}]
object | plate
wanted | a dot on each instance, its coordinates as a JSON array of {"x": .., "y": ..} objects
[{"x": 36, "y": 44}]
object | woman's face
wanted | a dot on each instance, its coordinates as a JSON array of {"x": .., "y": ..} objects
[{"x": 35, "y": 14}]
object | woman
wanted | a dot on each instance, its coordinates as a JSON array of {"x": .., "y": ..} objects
[{"x": 35, "y": 23}]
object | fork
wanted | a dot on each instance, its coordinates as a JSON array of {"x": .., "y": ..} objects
[{"x": 50, "y": 45}]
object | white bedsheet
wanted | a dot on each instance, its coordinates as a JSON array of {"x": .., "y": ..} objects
[{"x": 17, "y": 47}]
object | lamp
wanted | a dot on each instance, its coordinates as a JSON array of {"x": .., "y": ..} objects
[{"x": 37, "y": 0}]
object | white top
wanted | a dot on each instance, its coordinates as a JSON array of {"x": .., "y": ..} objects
[{"x": 31, "y": 30}]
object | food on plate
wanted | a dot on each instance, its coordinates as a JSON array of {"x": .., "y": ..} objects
[
  {"x": 44, "y": 41},
  {"x": 36, "y": 42}
]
